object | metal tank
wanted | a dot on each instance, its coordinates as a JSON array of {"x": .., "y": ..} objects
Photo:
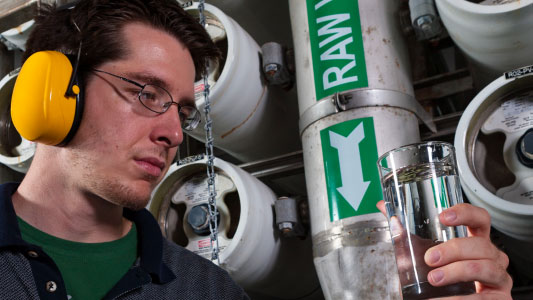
[
  {"x": 356, "y": 102},
  {"x": 495, "y": 35},
  {"x": 251, "y": 120},
  {"x": 15, "y": 151},
  {"x": 252, "y": 250},
  {"x": 494, "y": 144}
]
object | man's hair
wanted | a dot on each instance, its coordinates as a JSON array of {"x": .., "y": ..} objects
[{"x": 101, "y": 22}]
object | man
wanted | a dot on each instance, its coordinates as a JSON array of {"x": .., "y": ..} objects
[
  {"x": 75, "y": 225},
  {"x": 80, "y": 234}
]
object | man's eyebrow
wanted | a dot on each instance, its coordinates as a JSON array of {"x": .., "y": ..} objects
[{"x": 147, "y": 79}]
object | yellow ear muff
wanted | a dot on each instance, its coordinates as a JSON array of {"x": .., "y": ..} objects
[{"x": 39, "y": 108}]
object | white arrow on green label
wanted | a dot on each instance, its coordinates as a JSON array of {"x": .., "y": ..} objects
[
  {"x": 353, "y": 186},
  {"x": 352, "y": 178}
]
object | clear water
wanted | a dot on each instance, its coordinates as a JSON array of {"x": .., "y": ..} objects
[{"x": 414, "y": 200}]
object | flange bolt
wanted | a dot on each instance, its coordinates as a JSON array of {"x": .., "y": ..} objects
[
  {"x": 198, "y": 219},
  {"x": 524, "y": 148}
]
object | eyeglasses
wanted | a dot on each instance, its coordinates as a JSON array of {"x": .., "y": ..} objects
[{"x": 159, "y": 100}]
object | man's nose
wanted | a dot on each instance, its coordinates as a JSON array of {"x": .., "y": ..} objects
[{"x": 167, "y": 130}]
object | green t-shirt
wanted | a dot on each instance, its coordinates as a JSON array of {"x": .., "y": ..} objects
[{"x": 89, "y": 270}]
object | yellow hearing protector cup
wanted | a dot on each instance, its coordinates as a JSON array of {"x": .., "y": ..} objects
[{"x": 42, "y": 108}]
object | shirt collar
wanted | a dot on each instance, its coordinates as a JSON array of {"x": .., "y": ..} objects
[
  {"x": 150, "y": 245},
  {"x": 9, "y": 229},
  {"x": 150, "y": 242}
]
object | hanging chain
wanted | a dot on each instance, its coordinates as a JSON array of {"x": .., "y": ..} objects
[{"x": 212, "y": 207}]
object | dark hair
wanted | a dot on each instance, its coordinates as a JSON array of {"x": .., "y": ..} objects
[{"x": 101, "y": 22}]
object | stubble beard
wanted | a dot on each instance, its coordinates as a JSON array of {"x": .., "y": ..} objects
[
  {"x": 118, "y": 193},
  {"x": 111, "y": 188}
]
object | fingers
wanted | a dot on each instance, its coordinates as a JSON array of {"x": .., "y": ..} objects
[
  {"x": 475, "y": 218},
  {"x": 469, "y": 259},
  {"x": 472, "y": 248},
  {"x": 492, "y": 276}
]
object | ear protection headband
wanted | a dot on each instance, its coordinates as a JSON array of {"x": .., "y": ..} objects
[{"x": 47, "y": 101}]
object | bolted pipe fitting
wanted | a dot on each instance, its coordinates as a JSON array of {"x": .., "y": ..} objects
[
  {"x": 274, "y": 65},
  {"x": 524, "y": 148},
  {"x": 287, "y": 217},
  {"x": 198, "y": 219},
  {"x": 424, "y": 19}
]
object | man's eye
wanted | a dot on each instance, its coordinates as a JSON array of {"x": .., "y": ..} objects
[
  {"x": 132, "y": 91},
  {"x": 148, "y": 96}
]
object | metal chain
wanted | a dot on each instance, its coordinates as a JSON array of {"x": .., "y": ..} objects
[{"x": 212, "y": 207}]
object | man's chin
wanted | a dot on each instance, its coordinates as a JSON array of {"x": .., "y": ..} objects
[
  {"x": 132, "y": 197},
  {"x": 134, "y": 204}
]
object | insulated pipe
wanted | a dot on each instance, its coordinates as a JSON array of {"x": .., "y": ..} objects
[
  {"x": 496, "y": 38},
  {"x": 356, "y": 102}
]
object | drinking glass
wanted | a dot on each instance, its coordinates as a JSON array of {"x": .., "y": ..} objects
[{"x": 420, "y": 181}]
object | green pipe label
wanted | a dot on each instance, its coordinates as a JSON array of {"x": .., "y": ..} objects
[
  {"x": 352, "y": 178},
  {"x": 336, "y": 46}
]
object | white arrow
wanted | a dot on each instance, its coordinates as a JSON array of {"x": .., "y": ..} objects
[{"x": 353, "y": 187}]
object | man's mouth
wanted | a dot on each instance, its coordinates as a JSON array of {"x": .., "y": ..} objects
[{"x": 151, "y": 165}]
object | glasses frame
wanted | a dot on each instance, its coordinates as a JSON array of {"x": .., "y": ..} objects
[{"x": 166, "y": 105}]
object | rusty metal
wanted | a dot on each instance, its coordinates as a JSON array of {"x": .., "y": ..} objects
[
  {"x": 282, "y": 165},
  {"x": 433, "y": 90},
  {"x": 443, "y": 85},
  {"x": 440, "y": 78},
  {"x": 16, "y": 12},
  {"x": 446, "y": 126}
]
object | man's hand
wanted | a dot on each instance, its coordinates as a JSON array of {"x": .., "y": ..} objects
[{"x": 473, "y": 258}]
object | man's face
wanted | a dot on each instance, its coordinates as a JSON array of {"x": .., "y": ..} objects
[{"x": 122, "y": 150}]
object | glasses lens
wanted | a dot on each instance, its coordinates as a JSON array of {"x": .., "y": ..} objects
[
  {"x": 157, "y": 99},
  {"x": 154, "y": 98},
  {"x": 189, "y": 117}
]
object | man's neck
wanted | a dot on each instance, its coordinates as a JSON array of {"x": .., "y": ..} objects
[{"x": 63, "y": 210}]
